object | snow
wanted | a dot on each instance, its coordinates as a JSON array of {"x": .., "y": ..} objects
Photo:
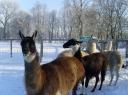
[{"x": 12, "y": 71}]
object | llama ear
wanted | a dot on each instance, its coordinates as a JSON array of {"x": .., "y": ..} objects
[
  {"x": 78, "y": 42},
  {"x": 34, "y": 35},
  {"x": 92, "y": 36},
  {"x": 21, "y": 35}
]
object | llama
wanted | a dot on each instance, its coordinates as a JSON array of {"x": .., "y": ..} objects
[
  {"x": 58, "y": 77},
  {"x": 93, "y": 64},
  {"x": 92, "y": 46},
  {"x": 114, "y": 59},
  {"x": 75, "y": 46},
  {"x": 73, "y": 50},
  {"x": 114, "y": 63},
  {"x": 109, "y": 46}
]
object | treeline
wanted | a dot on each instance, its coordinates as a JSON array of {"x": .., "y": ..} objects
[{"x": 101, "y": 18}]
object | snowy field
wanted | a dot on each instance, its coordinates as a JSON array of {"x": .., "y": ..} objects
[{"x": 12, "y": 71}]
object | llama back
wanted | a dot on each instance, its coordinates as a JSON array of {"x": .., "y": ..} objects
[
  {"x": 65, "y": 71},
  {"x": 114, "y": 57},
  {"x": 95, "y": 59},
  {"x": 66, "y": 53}
]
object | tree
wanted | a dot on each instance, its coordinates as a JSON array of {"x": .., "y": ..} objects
[
  {"x": 23, "y": 22},
  {"x": 39, "y": 21},
  {"x": 67, "y": 22},
  {"x": 111, "y": 16},
  {"x": 78, "y": 6},
  {"x": 7, "y": 12},
  {"x": 39, "y": 15},
  {"x": 76, "y": 16},
  {"x": 52, "y": 21}
]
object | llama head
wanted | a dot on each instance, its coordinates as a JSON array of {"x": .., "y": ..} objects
[
  {"x": 28, "y": 46},
  {"x": 72, "y": 43}
]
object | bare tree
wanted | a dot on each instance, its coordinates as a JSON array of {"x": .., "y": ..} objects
[
  {"x": 39, "y": 16},
  {"x": 39, "y": 21},
  {"x": 90, "y": 21},
  {"x": 63, "y": 21},
  {"x": 7, "y": 12},
  {"x": 78, "y": 7},
  {"x": 24, "y": 20},
  {"x": 76, "y": 16},
  {"x": 67, "y": 19},
  {"x": 112, "y": 14},
  {"x": 52, "y": 22}
]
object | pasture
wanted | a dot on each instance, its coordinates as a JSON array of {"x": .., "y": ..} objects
[{"x": 12, "y": 71}]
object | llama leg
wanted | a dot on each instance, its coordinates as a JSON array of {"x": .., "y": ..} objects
[
  {"x": 83, "y": 87},
  {"x": 80, "y": 88},
  {"x": 75, "y": 89},
  {"x": 97, "y": 79},
  {"x": 117, "y": 75},
  {"x": 112, "y": 75},
  {"x": 102, "y": 78},
  {"x": 87, "y": 81}
]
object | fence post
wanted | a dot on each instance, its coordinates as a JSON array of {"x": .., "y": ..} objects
[
  {"x": 10, "y": 47},
  {"x": 41, "y": 49}
]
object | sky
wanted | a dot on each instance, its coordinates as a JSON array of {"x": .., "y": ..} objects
[{"x": 51, "y": 4}]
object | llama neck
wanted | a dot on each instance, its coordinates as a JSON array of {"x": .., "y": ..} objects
[
  {"x": 33, "y": 65},
  {"x": 78, "y": 54},
  {"x": 29, "y": 57},
  {"x": 109, "y": 46},
  {"x": 33, "y": 73},
  {"x": 92, "y": 48},
  {"x": 75, "y": 49}
]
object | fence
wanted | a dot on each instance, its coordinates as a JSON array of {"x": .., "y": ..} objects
[
  {"x": 11, "y": 47},
  {"x": 10, "y": 50}
]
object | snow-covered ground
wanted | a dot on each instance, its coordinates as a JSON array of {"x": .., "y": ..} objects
[{"x": 12, "y": 71}]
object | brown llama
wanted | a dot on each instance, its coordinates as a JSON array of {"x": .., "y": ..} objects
[
  {"x": 58, "y": 77},
  {"x": 94, "y": 64},
  {"x": 114, "y": 59}
]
